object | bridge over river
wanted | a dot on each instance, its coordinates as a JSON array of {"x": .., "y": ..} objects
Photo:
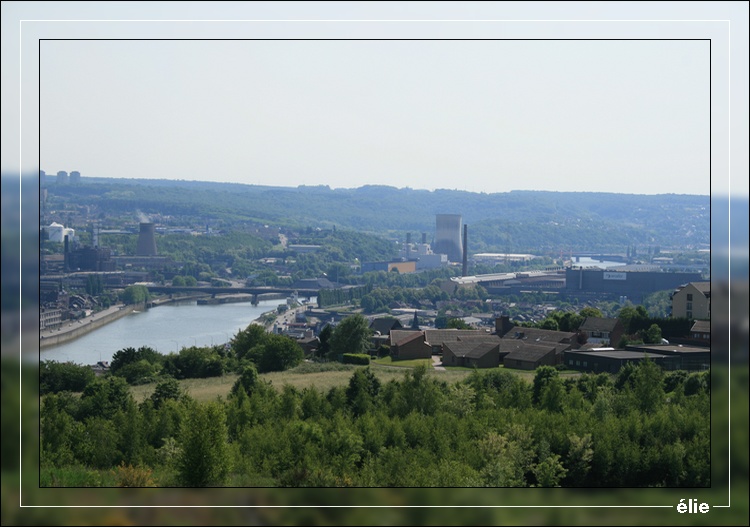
[{"x": 213, "y": 291}]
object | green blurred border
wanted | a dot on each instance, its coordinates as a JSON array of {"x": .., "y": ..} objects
[{"x": 355, "y": 506}]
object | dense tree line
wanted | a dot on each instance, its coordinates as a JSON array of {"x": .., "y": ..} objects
[
  {"x": 266, "y": 351},
  {"x": 636, "y": 429},
  {"x": 339, "y": 296},
  {"x": 638, "y": 325},
  {"x": 135, "y": 294}
]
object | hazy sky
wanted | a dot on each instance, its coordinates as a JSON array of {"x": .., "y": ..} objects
[{"x": 501, "y": 113}]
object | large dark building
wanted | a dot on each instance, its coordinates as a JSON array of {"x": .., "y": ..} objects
[
  {"x": 610, "y": 361},
  {"x": 632, "y": 284},
  {"x": 91, "y": 259},
  {"x": 668, "y": 356}
]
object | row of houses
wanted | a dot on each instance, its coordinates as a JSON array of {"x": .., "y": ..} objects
[{"x": 528, "y": 348}]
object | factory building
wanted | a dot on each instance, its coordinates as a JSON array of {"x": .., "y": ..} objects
[
  {"x": 422, "y": 253},
  {"x": 57, "y": 233},
  {"x": 632, "y": 284},
  {"x": 91, "y": 259},
  {"x": 400, "y": 266}
]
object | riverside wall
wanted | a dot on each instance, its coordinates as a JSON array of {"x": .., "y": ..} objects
[
  {"x": 66, "y": 334},
  {"x": 74, "y": 330}
]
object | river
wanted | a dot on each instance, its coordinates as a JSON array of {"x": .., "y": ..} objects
[{"x": 167, "y": 328}]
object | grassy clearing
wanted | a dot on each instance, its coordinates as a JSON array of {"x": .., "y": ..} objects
[
  {"x": 321, "y": 376},
  {"x": 458, "y": 368},
  {"x": 412, "y": 363},
  {"x": 199, "y": 389}
]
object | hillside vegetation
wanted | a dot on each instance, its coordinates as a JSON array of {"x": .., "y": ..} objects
[{"x": 511, "y": 221}]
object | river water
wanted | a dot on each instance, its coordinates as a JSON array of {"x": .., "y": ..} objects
[{"x": 167, "y": 328}]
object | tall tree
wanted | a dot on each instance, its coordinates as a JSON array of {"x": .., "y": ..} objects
[
  {"x": 247, "y": 339},
  {"x": 351, "y": 335},
  {"x": 648, "y": 386},
  {"x": 325, "y": 340},
  {"x": 204, "y": 459},
  {"x": 653, "y": 335},
  {"x": 279, "y": 353},
  {"x": 362, "y": 390},
  {"x": 135, "y": 294},
  {"x": 542, "y": 378}
]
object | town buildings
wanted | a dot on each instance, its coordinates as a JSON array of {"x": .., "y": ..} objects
[{"x": 692, "y": 300}]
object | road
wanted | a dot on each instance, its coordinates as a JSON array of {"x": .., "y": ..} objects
[{"x": 437, "y": 363}]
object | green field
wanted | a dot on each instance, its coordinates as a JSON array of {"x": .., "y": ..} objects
[
  {"x": 301, "y": 377},
  {"x": 388, "y": 361}
]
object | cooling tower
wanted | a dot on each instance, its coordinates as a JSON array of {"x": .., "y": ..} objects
[
  {"x": 448, "y": 236},
  {"x": 146, "y": 241}
]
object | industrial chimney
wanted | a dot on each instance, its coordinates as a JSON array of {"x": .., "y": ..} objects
[
  {"x": 146, "y": 241},
  {"x": 408, "y": 245},
  {"x": 465, "y": 268},
  {"x": 66, "y": 254}
]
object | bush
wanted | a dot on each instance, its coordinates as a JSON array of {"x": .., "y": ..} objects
[
  {"x": 194, "y": 363},
  {"x": 383, "y": 351},
  {"x": 356, "y": 358},
  {"x": 133, "y": 477},
  {"x": 140, "y": 372},
  {"x": 130, "y": 355}
]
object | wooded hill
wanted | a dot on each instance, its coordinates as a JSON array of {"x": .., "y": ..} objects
[{"x": 516, "y": 221}]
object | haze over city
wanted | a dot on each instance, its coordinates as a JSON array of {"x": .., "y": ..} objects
[
  {"x": 489, "y": 116},
  {"x": 486, "y": 111}
]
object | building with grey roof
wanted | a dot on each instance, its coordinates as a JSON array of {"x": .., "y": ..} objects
[
  {"x": 472, "y": 354},
  {"x": 612, "y": 361}
]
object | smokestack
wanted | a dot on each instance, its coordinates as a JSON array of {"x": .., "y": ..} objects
[
  {"x": 424, "y": 238},
  {"x": 66, "y": 254},
  {"x": 146, "y": 241},
  {"x": 408, "y": 245},
  {"x": 465, "y": 268}
]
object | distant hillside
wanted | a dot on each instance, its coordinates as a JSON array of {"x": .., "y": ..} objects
[{"x": 511, "y": 221}]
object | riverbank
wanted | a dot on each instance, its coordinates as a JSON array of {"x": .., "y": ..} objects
[
  {"x": 72, "y": 330},
  {"x": 280, "y": 322},
  {"x": 77, "y": 328}
]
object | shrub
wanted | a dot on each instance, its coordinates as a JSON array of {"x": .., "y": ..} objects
[
  {"x": 134, "y": 477},
  {"x": 140, "y": 372},
  {"x": 356, "y": 358}
]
